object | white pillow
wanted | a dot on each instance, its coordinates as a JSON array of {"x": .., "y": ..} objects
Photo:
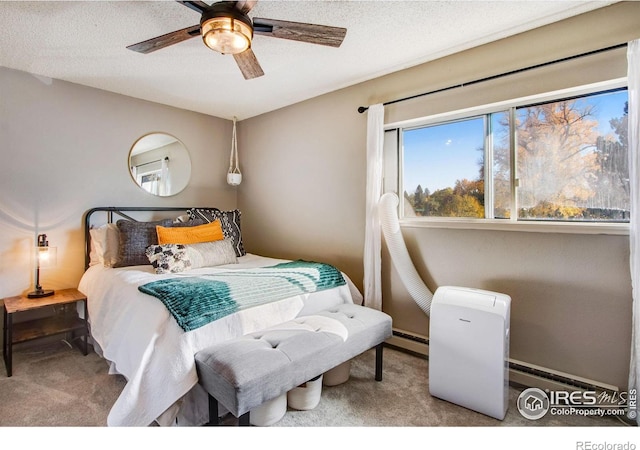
[
  {"x": 93, "y": 254},
  {"x": 105, "y": 245},
  {"x": 211, "y": 254}
]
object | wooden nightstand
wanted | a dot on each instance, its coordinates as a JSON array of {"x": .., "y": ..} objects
[{"x": 61, "y": 322}]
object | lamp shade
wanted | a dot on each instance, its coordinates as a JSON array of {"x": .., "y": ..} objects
[
  {"x": 225, "y": 30},
  {"x": 45, "y": 257}
]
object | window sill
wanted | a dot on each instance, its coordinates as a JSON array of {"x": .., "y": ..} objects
[{"x": 618, "y": 229}]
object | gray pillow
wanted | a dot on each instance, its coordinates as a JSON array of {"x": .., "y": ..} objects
[
  {"x": 135, "y": 237},
  {"x": 210, "y": 254}
]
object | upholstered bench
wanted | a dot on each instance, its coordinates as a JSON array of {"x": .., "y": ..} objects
[{"x": 245, "y": 372}]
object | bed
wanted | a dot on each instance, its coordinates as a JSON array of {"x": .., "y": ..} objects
[{"x": 142, "y": 339}]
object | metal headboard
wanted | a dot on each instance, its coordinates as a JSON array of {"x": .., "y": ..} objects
[{"x": 122, "y": 212}]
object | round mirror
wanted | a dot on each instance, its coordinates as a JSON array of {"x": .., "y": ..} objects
[{"x": 160, "y": 164}]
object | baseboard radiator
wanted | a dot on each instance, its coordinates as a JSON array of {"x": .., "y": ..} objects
[{"x": 520, "y": 373}]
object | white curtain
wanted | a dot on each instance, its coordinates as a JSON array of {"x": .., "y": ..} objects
[
  {"x": 164, "y": 187},
  {"x": 633, "y": 75},
  {"x": 372, "y": 238}
]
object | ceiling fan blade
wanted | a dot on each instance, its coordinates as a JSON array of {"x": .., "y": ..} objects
[
  {"x": 198, "y": 7},
  {"x": 156, "y": 43},
  {"x": 248, "y": 64},
  {"x": 244, "y": 6},
  {"x": 298, "y": 31}
]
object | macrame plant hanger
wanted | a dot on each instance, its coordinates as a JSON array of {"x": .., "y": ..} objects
[{"x": 234, "y": 176}]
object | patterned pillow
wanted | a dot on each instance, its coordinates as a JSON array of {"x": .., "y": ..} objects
[
  {"x": 174, "y": 258},
  {"x": 188, "y": 222},
  {"x": 168, "y": 258},
  {"x": 230, "y": 221},
  {"x": 135, "y": 237}
]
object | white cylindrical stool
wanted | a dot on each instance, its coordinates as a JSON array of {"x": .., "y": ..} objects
[
  {"x": 306, "y": 396},
  {"x": 269, "y": 412},
  {"x": 338, "y": 375}
]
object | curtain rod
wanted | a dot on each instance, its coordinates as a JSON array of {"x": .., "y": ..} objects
[
  {"x": 166, "y": 158},
  {"x": 362, "y": 109}
]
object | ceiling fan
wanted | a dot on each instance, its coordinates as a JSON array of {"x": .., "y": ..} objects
[{"x": 226, "y": 28}]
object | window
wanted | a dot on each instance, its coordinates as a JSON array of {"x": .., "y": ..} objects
[
  {"x": 153, "y": 176},
  {"x": 444, "y": 174},
  {"x": 559, "y": 160}
]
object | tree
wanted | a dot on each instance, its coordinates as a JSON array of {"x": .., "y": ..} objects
[
  {"x": 418, "y": 201},
  {"x": 459, "y": 202},
  {"x": 473, "y": 189},
  {"x": 612, "y": 154},
  {"x": 501, "y": 166},
  {"x": 555, "y": 154}
]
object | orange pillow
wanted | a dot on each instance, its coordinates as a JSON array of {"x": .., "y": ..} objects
[{"x": 190, "y": 235}]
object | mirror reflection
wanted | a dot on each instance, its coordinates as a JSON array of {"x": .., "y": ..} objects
[{"x": 160, "y": 164}]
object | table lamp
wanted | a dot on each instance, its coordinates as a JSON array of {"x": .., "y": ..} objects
[{"x": 45, "y": 257}]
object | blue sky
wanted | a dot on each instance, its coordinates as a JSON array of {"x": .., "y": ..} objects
[
  {"x": 435, "y": 157},
  {"x": 608, "y": 106}
]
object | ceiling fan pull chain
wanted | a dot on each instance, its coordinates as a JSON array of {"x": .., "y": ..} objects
[{"x": 234, "y": 177}]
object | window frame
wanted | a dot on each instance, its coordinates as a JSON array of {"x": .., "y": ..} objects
[{"x": 490, "y": 223}]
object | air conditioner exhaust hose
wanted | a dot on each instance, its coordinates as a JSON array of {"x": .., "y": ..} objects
[{"x": 388, "y": 210}]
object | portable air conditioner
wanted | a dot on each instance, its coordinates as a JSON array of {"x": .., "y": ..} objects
[{"x": 469, "y": 349}]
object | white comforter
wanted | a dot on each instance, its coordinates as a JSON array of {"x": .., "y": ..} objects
[{"x": 138, "y": 335}]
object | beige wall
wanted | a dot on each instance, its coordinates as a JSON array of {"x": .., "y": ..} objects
[
  {"x": 65, "y": 148},
  {"x": 303, "y": 195}
]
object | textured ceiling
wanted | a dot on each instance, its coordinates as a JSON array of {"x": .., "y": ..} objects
[{"x": 84, "y": 42}]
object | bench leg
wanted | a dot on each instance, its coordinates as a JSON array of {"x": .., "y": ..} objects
[
  {"x": 243, "y": 420},
  {"x": 214, "y": 420},
  {"x": 379, "y": 362}
]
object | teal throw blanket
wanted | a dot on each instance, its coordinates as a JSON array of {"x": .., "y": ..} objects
[{"x": 196, "y": 301}]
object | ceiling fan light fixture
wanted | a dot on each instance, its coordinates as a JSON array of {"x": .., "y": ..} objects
[{"x": 227, "y": 32}]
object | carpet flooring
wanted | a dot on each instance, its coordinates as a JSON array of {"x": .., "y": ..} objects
[{"x": 54, "y": 385}]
